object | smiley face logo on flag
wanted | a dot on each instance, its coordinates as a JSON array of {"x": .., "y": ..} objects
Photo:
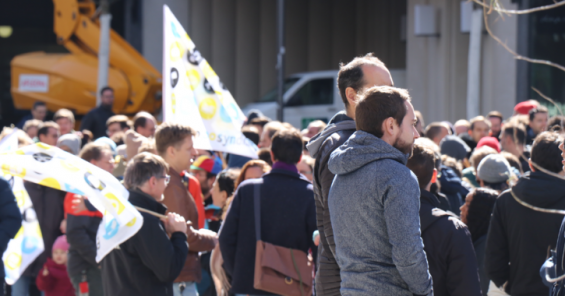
[
  {"x": 174, "y": 77},
  {"x": 111, "y": 229}
]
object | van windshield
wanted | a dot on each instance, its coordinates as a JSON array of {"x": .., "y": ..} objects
[{"x": 271, "y": 96}]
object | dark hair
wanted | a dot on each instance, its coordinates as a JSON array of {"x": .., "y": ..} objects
[
  {"x": 546, "y": 152},
  {"x": 376, "y": 105},
  {"x": 260, "y": 121},
  {"x": 422, "y": 164},
  {"x": 533, "y": 112},
  {"x": 495, "y": 114},
  {"x": 479, "y": 212},
  {"x": 105, "y": 88},
  {"x": 226, "y": 180},
  {"x": 501, "y": 186},
  {"x": 38, "y": 104},
  {"x": 351, "y": 75},
  {"x": 434, "y": 129},
  {"x": 251, "y": 133},
  {"x": 516, "y": 131},
  {"x": 264, "y": 154},
  {"x": 44, "y": 128},
  {"x": 287, "y": 146},
  {"x": 556, "y": 121}
]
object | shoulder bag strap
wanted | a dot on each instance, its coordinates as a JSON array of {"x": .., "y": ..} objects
[{"x": 257, "y": 209}]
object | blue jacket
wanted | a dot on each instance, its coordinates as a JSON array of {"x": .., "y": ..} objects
[
  {"x": 288, "y": 219},
  {"x": 374, "y": 206},
  {"x": 10, "y": 218}
]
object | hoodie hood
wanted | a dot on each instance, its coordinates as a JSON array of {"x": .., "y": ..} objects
[
  {"x": 540, "y": 189},
  {"x": 361, "y": 149},
  {"x": 338, "y": 123}
]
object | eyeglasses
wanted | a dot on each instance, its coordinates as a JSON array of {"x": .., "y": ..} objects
[
  {"x": 166, "y": 177},
  {"x": 306, "y": 172}
]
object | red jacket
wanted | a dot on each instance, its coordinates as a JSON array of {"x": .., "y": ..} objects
[{"x": 57, "y": 282}]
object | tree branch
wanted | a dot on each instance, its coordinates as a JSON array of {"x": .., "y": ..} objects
[{"x": 497, "y": 7}]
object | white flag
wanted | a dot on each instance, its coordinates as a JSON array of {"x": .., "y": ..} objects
[
  {"x": 52, "y": 167},
  {"x": 194, "y": 95}
]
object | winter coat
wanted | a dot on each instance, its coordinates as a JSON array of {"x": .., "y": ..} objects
[
  {"x": 10, "y": 218},
  {"x": 449, "y": 250},
  {"x": 95, "y": 121},
  {"x": 56, "y": 282},
  {"x": 519, "y": 238},
  {"x": 288, "y": 219},
  {"x": 453, "y": 187},
  {"x": 480, "y": 245},
  {"x": 81, "y": 235},
  {"x": 177, "y": 200},
  {"x": 48, "y": 206},
  {"x": 340, "y": 128},
  {"x": 377, "y": 227},
  {"x": 148, "y": 262}
]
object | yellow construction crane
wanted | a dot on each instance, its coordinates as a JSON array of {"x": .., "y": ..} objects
[{"x": 69, "y": 80}]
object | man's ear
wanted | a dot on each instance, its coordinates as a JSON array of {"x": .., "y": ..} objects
[
  {"x": 351, "y": 95},
  {"x": 434, "y": 176},
  {"x": 171, "y": 150},
  {"x": 388, "y": 126}
]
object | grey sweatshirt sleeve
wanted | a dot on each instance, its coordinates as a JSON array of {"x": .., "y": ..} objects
[{"x": 402, "y": 215}]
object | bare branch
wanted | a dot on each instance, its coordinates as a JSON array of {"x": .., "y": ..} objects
[{"x": 496, "y": 7}]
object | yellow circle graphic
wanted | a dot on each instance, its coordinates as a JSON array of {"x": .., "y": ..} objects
[
  {"x": 175, "y": 52},
  {"x": 212, "y": 136},
  {"x": 14, "y": 171},
  {"x": 13, "y": 261},
  {"x": 50, "y": 182},
  {"x": 208, "y": 108},
  {"x": 193, "y": 77},
  {"x": 132, "y": 222}
]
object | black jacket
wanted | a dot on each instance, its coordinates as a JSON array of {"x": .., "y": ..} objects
[
  {"x": 454, "y": 188},
  {"x": 449, "y": 250},
  {"x": 81, "y": 235},
  {"x": 148, "y": 262},
  {"x": 95, "y": 121},
  {"x": 48, "y": 204},
  {"x": 340, "y": 128},
  {"x": 10, "y": 218},
  {"x": 519, "y": 238},
  {"x": 288, "y": 219}
]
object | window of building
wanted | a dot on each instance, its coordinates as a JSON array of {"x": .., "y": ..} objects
[{"x": 315, "y": 92}]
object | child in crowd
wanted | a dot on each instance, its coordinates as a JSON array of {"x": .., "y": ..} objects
[{"x": 53, "y": 278}]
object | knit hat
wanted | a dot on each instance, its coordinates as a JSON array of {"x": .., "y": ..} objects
[
  {"x": 492, "y": 142},
  {"x": 109, "y": 142},
  {"x": 212, "y": 165},
  {"x": 494, "y": 169},
  {"x": 61, "y": 243},
  {"x": 455, "y": 147},
  {"x": 525, "y": 107},
  {"x": 70, "y": 140}
]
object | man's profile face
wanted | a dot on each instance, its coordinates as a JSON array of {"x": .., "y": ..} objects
[
  {"x": 408, "y": 132},
  {"x": 148, "y": 130},
  {"x": 495, "y": 124},
  {"x": 114, "y": 128},
  {"x": 51, "y": 137}
]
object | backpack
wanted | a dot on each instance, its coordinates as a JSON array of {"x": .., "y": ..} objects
[{"x": 554, "y": 267}]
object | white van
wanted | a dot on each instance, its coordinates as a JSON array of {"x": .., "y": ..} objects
[{"x": 309, "y": 96}]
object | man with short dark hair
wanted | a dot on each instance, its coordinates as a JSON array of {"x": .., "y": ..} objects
[
  {"x": 447, "y": 241},
  {"x": 38, "y": 111},
  {"x": 513, "y": 140},
  {"x": 117, "y": 124},
  {"x": 95, "y": 120},
  {"x": 495, "y": 119},
  {"x": 538, "y": 118},
  {"x": 374, "y": 200},
  {"x": 48, "y": 133},
  {"x": 149, "y": 261},
  {"x": 519, "y": 238},
  {"x": 359, "y": 74},
  {"x": 144, "y": 124},
  {"x": 174, "y": 143},
  {"x": 479, "y": 129},
  {"x": 288, "y": 216},
  {"x": 436, "y": 131}
]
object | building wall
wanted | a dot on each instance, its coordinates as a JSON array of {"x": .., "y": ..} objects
[{"x": 437, "y": 66}]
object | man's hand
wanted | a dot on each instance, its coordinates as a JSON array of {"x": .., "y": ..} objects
[
  {"x": 78, "y": 204},
  {"x": 45, "y": 271},
  {"x": 175, "y": 223},
  {"x": 63, "y": 226}
]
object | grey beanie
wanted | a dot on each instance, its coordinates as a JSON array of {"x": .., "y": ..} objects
[
  {"x": 70, "y": 140},
  {"x": 455, "y": 147},
  {"x": 494, "y": 169}
]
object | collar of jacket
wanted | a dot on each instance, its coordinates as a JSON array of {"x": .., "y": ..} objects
[
  {"x": 144, "y": 200},
  {"x": 287, "y": 173},
  {"x": 429, "y": 198}
]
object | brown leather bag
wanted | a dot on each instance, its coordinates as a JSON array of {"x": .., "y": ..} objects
[{"x": 279, "y": 270}]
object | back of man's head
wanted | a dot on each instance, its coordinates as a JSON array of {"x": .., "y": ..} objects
[
  {"x": 171, "y": 134},
  {"x": 121, "y": 119},
  {"x": 140, "y": 119},
  {"x": 377, "y": 104},
  {"x": 435, "y": 129},
  {"x": 287, "y": 146},
  {"x": 351, "y": 74},
  {"x": 546, "y": 153},
  {"x": 44, "y": 128},
  {"x": 422, "y": 164},
  {"x": 516, "y": 132}
]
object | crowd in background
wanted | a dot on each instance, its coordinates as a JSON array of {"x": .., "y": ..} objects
[{"x": 382, "y": 203}]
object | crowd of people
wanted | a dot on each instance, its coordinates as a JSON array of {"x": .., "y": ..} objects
[{"x": 373, "y": 202}]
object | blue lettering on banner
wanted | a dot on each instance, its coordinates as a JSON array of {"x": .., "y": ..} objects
[{"x": 111, "y": 229}]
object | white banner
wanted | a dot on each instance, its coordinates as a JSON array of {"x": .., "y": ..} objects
[
  {"x": 28, "y": 242},
  {"x": 55, "y": 168},
  {"x": 194, "y": 95}
]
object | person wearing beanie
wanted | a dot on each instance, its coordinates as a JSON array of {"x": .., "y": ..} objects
[
  {"x": 493, "y": 172},
  {"x": 492, "y": 142},
  {"x": 69, "y": 143},
  {"x": 53, "y": 279},
  {"x": 453, "y": 146}
]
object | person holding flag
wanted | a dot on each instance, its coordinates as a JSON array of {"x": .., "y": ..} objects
[
  {"x": 10, "y": 220},
  {"x": 148, "y": 262}
]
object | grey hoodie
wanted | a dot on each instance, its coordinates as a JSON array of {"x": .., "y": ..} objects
[{"x": 377, "y": 227}]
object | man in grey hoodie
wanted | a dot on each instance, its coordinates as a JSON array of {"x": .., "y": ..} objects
[
  {"x": 359, "y": 74},
  {"x": 376, "y": 228}
]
